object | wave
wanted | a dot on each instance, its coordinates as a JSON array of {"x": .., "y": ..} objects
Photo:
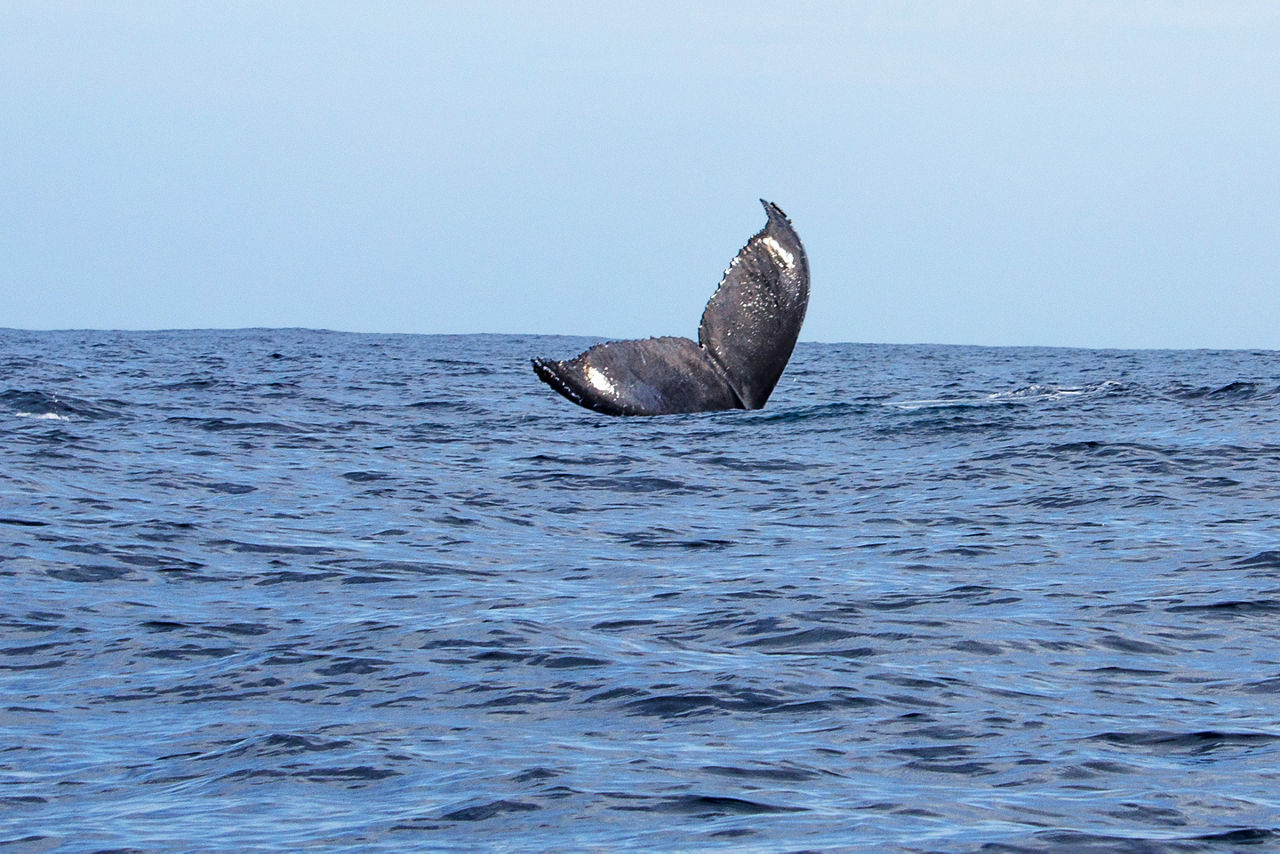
[
  {"x": 1239, "y": 390},
  {"x": 53, "y": 407},
  {"x": 1033, "y": 393}
]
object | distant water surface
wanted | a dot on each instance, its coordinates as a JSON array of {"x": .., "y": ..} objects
[{"x": 281, "y": 589}]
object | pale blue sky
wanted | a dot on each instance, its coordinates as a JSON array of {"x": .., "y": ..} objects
[{"x": 1089, "y": 174}]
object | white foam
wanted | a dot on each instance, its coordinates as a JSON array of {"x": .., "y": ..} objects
[
  {"x": 43, "y": 416},
  {"x": 1031, "y": 393}
]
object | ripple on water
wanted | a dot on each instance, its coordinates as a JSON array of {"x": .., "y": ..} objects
[{"x": 279, "y": 588}]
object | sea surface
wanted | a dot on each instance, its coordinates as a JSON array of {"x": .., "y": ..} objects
[{"x": 286, "y": 590}]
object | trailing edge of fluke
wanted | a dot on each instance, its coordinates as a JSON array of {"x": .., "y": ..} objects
[{"x": 748, "y": 331}]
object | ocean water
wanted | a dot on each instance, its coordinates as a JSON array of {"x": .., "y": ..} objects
[{"x": 282, "y": 590}]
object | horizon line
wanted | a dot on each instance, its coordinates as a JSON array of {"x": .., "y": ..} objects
[{"x": 602, "y": 338}]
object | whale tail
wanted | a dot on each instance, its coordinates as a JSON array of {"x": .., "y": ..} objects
[{"x": 748, "y": 331}]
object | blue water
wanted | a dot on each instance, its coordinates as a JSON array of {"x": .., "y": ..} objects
[{"x": 280, "y": 589}]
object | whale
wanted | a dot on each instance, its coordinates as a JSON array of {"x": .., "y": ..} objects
[{"x": 745, "y": 339}]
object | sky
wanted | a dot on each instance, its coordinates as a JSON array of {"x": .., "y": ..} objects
[{"x": 1006, "y": 173}]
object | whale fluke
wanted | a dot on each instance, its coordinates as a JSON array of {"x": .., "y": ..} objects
[{"x": 748, "y": 331}]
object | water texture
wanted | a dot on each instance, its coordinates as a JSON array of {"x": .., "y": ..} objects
[{"x": 280, "y": 589}]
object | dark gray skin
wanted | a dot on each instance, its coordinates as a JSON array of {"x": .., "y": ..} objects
[{"x": 748, "y": 331}]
